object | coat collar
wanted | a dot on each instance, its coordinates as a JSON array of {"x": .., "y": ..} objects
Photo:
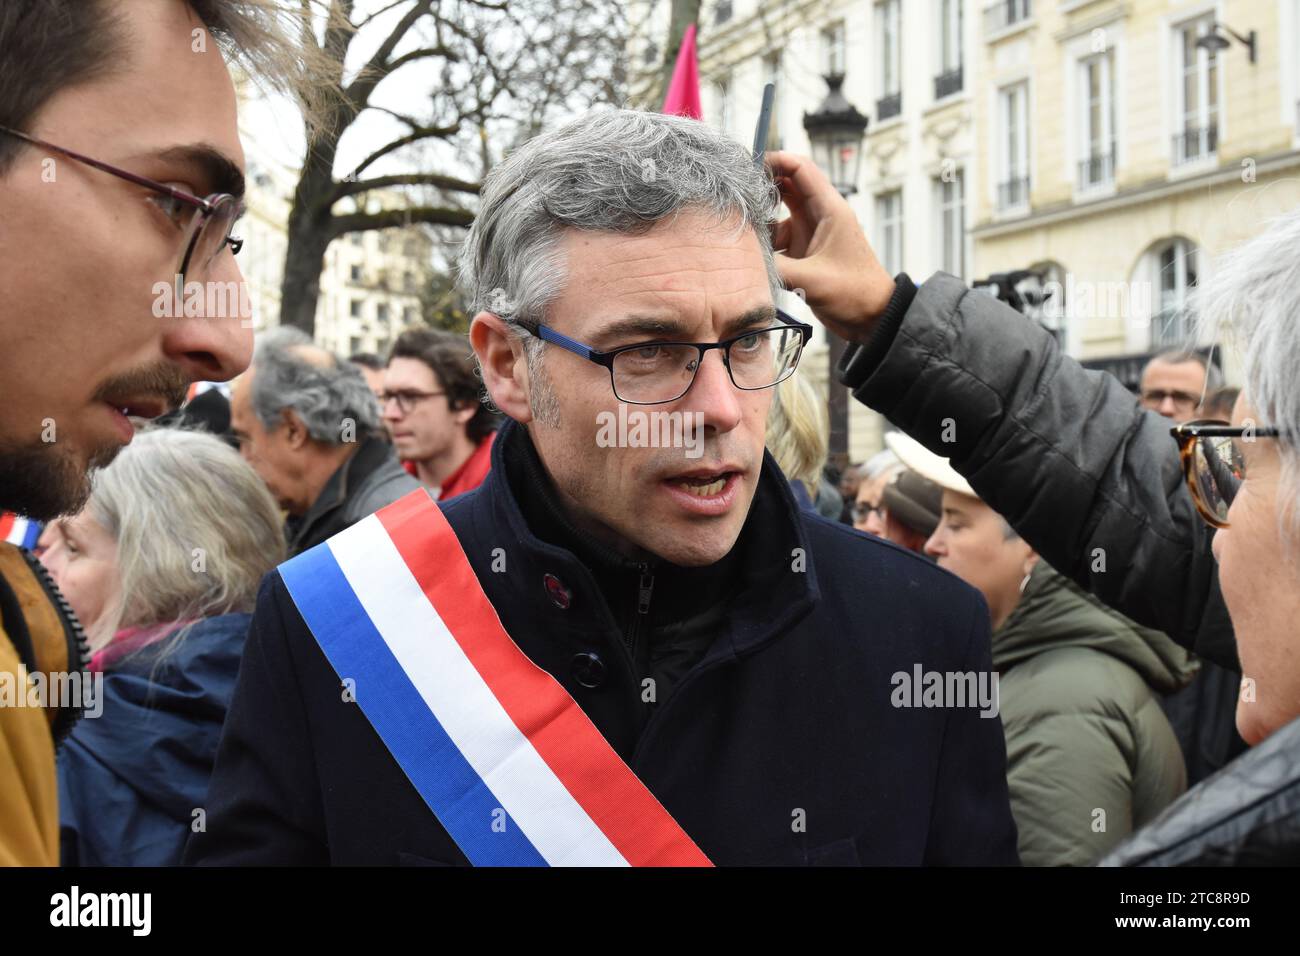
[
  {"x": 768, "y": 578},
  {"x": 369, "y": 455}
]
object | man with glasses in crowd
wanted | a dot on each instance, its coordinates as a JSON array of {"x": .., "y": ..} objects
[
  {"x": 711, "y": 675},
  {"x": 441, "y": 431},
  {"x": 1175, "y": 383},
  {"x": 120, "y": 171}
]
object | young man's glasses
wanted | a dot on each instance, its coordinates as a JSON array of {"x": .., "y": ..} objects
[
  {"x": 206, "y": 224},
  {"x": 406, "y": 399},
  {"x": 1213, "y": 463},
  {"x": 652, "y": 373}
]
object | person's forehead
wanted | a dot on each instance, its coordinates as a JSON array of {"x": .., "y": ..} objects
[
  {"x": 669, "y": 269},
  {"x": 409, "y": 371},
  {"x": 965, "y": 504},
  {"x": 169, "y": 89},
  {"x": 1181, "y": 371}
]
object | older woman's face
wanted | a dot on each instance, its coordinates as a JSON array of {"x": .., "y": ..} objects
[
  {"x": 81, "y": 556},
  {"x": 1260, "y": 577}
]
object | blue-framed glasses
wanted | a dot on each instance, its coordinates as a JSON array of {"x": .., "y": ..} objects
[{"x": 652, "y": 373}]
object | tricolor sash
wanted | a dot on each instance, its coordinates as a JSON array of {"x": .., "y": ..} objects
[
  {"x": 18, "y": 530},
  {"x": 513, "y": 769}
]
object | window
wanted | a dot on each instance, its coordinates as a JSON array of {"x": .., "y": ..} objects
[
  {"x": 381, "y": 312},
  {"x": 889, "y": 230},
  {"x": 772, "y": 74},
  {"x": 889, "y": 78},
  {"x": 948, "y": 79},
  {"x": 1196, "y": 118},
  {"x": 355, "y": 309},
  {"x": 408, "y": 281},
  {"x": 950, "y": 196},
  {"x": 1097, "y": 135},
  {"x": 1175, "y": 264},
  {"x": 356, "y": 238},
  {"x": 1006, "y": 13},
  {"x": 651, "y": 53},
  {"x": 722, "y": 12},
  {"x": 833, "y": 48},
  {"x": 722, "y": 96},
  {"x": 1013, "y": 159},
  {"x": 354, "y": 273}
]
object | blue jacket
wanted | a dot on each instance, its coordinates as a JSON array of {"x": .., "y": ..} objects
[
  {"x": 778, "y": 745},
  {"x": 131, "y": 778}
]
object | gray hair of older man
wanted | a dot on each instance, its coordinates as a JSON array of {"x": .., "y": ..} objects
[
  {"x": 196, "y": 530},
  {"x": 1253, "y": 295},
  {"x": 619, "y": 171},
  {"x": 326, "y": 398}
]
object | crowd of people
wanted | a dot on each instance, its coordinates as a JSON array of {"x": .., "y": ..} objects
[{"x": 407, "y": 609}]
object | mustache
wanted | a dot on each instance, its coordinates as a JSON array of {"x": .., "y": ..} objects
[{"x": 162, "y": 379}]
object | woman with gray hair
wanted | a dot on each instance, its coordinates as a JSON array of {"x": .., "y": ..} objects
[
  {"x": 1245, "y": 481},
  {"x": 162, "y": 566}
]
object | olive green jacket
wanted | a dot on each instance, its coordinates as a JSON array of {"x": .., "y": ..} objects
[{"x": 1090, "y": 754}]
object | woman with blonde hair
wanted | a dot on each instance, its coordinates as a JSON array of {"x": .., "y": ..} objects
[
  {"x": 797, "y": 438},
  {"x": 162, "y": 566}
]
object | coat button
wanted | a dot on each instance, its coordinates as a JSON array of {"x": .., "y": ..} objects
[
  {"x": 557, "y": 592},
  {"x": 588, "y": 669}
]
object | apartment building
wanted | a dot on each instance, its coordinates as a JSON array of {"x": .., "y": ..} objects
[{"x": 1127, "y": 144}]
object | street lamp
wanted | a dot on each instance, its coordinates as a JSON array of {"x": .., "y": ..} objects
[
  {"x": 1215, "y": 42},
  {"x": 836, "y": 130}
]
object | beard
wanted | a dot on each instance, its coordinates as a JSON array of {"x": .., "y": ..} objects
[{"x": 42, "y": 481}]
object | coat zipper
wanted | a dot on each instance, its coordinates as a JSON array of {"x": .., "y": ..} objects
[{"x": 645, "y": 590}]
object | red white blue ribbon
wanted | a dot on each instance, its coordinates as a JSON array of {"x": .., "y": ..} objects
[
  {"x": 508, "y": 762},
  {"x": 18, "y": 530}
]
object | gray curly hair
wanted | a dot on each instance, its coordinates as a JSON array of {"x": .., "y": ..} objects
[{"x": 326, "y": 396}]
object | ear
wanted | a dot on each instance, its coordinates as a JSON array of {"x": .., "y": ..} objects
[
  {"x": 1031, "y": 561},
  {"x": 505, "y": 369},
  {"x": 296, "y": 434}
]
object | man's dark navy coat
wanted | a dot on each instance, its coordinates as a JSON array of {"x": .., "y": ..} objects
[{"x": 780, "y": 745}]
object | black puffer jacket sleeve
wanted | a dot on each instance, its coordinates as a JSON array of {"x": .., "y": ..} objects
[{"x": 1065, "y": 454}]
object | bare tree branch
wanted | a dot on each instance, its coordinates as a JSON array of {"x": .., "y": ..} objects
[
  {"x": 352, "y": 187},
  {"x": 392, "y": 218}
]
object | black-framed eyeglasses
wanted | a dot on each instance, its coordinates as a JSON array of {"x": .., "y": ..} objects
[
  {"x": 1213, "y": 463},
  {"x": 652, "y": 373},
  {"x": 863, "y": 509},
  {"x": 406, "y": 398},
  {"x": 208, "y": 227},
  {"x": 1156, "y": 397}
]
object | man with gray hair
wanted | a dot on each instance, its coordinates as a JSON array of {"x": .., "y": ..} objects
[
  {"x": 624, "y": 647},
  {"x": 308, "y": 424}
]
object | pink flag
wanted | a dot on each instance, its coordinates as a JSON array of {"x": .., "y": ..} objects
[{"x": 683, "y": 97}]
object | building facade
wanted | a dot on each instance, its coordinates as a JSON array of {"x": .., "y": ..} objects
[{"x": 1126, "y": 148}]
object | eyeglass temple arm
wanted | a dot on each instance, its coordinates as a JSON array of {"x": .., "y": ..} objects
[
  {"x": 144, "y": 181},
  {"x": 547, "y": 334}
]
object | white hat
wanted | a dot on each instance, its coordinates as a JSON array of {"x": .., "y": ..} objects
[{"x": 927, "y": 464}]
